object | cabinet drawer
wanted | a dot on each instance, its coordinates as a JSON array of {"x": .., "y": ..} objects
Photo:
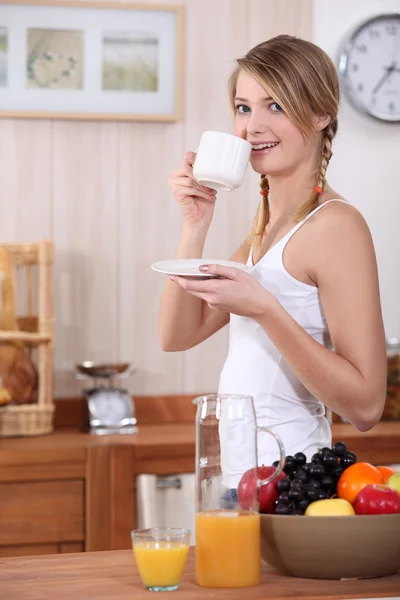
[{"x": 41, "y": 512}]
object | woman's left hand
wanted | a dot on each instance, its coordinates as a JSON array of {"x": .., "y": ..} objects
[{"x": 236, "y": 292}]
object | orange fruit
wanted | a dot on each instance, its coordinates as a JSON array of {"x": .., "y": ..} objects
[
  {"x": 355, "y": 478},
  {"x": 386, "y": 472}
]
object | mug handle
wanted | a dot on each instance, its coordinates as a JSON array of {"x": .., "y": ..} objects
[{"x": 279, "y": 468}]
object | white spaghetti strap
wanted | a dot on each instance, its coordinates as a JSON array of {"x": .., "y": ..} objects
[{"x": 293, "y": 231}]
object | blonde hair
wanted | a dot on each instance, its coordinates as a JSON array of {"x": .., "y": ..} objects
[{"x": 302, "y": 79}]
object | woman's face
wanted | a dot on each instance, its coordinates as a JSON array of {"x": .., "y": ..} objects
[{"x": 279, "y": 147}]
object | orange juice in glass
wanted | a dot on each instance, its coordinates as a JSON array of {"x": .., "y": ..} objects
[
  {"x": 160, "y": 555},
  {"x": 228, "y": 536}
]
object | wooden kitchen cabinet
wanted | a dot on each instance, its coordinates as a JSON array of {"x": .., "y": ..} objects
[{"x": 64, "y": 492}]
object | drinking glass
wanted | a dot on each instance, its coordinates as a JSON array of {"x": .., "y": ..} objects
[{"x": 160, "y": 555}]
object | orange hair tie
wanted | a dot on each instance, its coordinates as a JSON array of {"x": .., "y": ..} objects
[
  {"x": 318, "y": 189},
  {"x": 264, "y": 193}
]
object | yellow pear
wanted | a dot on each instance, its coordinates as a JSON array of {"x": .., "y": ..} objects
[
  {"x": 394, "y": 481},
  {"x": 331, "y": 507}
]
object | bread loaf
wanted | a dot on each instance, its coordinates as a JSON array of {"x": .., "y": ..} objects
[{"x": 18, "y": 372}]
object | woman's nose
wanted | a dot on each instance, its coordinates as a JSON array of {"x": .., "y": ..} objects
[{"x": 257, "y": 125}]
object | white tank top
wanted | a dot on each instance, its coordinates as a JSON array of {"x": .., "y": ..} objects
[{"x": 255, "y": 367}]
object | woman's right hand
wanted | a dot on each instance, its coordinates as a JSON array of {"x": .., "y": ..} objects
[{"x": 196, "y": 201}]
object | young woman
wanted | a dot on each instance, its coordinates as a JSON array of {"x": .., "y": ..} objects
[{"x": 306, "y": 326}]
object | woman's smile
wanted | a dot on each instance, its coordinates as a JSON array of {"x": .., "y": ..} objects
[{"x": 260, "y": 149}]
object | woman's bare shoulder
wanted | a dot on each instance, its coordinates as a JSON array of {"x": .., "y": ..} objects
[
  {"x": 342, "y": 237},
  {"x": 343, "y": 214}
]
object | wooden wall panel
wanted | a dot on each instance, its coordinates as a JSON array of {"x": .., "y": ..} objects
[
  {"x": 149, "y": 230},
  {"x": 208, "y": 108},
  {"x": 84, "y": 167},
  {"x": 25, "y": 180},
  {"x": 268, "y": 18},
  {"x": 101, "y": 190}
]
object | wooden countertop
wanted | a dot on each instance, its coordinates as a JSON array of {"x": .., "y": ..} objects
[
  {"x": 159, "y": 448},
  {"x": 98, "y": 575}
]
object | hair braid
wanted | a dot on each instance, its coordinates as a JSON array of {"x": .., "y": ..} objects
[
  {"x": 326, "y": 155},
  {"x": 262, "y": 216}
]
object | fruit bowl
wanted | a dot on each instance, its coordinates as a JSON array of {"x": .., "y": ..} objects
[{"x": 332, "y": 547}]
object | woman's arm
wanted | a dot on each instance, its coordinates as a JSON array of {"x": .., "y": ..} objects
[
  {"x": 184, "y": 320},
  {"x": 352, "y": 379}
]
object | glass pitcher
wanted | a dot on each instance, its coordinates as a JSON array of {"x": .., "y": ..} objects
[{"x": 227, "y": 506}]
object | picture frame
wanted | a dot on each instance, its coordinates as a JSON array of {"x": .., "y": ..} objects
[{"x": 64, "y": 59}]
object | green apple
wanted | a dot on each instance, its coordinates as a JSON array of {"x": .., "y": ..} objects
[
  {"x": 336, "y": 507},
  {"x": 394, "y": 481}
]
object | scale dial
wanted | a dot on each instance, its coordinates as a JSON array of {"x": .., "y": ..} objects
[{"x": 109, "y": 407}]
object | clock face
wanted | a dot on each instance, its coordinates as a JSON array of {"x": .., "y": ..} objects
[{"x": 370, "y": 67}]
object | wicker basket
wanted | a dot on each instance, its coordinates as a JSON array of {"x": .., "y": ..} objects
[{"x": 37, "y": 334}]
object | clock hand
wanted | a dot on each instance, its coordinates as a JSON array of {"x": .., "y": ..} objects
[
  {"x": 384, "y": 77},
  {"x": 395, "y": 49}
]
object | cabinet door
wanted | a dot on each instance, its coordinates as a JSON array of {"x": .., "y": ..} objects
[{"x": 43, "y": 512}]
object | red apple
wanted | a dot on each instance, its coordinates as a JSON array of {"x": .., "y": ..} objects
[
  {"x": 377, "y": 499},
  {"x": 268, "y": 493}
]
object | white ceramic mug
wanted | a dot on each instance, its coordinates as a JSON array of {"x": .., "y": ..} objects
[{"x": 221, "y": 161}]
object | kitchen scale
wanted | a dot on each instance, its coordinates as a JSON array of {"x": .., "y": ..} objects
[{"x": 111, "y": 408}]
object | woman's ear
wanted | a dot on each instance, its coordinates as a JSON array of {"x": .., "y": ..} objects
[{"x": 321, "y": 121}]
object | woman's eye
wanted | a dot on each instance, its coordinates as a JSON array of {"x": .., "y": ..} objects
[
  {"x": 275, "y": 107},
  {"x": 242, "y": 108}
]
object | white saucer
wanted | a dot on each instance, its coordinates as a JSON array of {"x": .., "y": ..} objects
[{"x": 189, "y": 267}]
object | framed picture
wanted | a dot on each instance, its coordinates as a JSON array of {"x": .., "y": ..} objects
[{"x": 89, "y": 60}]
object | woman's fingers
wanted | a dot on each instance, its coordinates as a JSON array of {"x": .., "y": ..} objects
[
  {"x": 187, "y": 182},
  {"x": 221, "y": 272},
  {"x": 195, "y": 284},
  {"x": 189, "y": 158},
  {"x": 189, "y": 187},
  {"x": 184, "y": 192}
]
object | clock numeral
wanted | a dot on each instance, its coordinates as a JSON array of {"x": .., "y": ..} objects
[
  {"x": 354, "y": 68},
  {"x": 391, "y": 107},
  {"x": 360, "y": 87},
  {"x": 362, "y": 48},
  {"x": 374, "y": 34},
  {"x": 391, "y": 29}
]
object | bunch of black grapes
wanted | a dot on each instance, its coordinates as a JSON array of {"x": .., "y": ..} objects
[{"x": 306, "y": 482}]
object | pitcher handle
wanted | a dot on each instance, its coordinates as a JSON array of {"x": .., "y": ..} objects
[{"x": 279, "y": 468}]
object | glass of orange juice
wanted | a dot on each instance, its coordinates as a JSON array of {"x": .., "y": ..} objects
[
  {"x": 228, "y": 540},
  {"x": 160, "y": 555}
]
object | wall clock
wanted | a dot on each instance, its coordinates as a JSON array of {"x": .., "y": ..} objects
[{"x": 369, "y": 67}]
